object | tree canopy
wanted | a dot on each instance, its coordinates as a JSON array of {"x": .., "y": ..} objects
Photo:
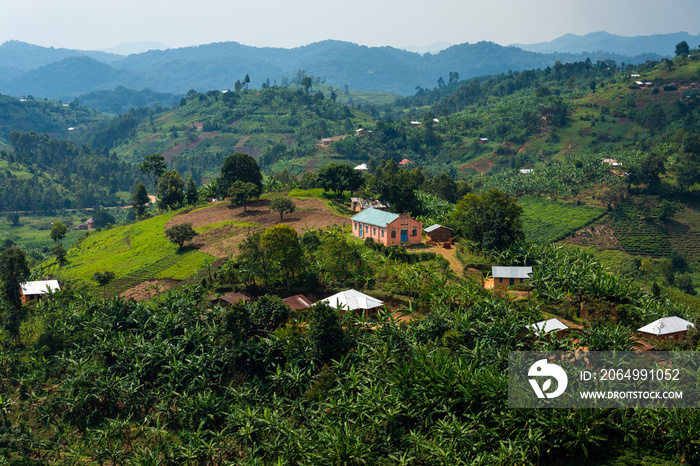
[
  {"x": 171, "y": 193},
  {"x": 180, "y": 234},
  {"x": 490, "y": 220},
  {"x": 239, "y": 167},
  {"x": 241, "y": 192},
  {"x": 339, "y": 177}
]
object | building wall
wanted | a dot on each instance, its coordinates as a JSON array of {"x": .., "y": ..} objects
[
  {"x": 502, "y": 283},
  {"x": 677, "y": 336},
  {"x": 440, "y": 235},
  {"x": 391, "y": 234}
]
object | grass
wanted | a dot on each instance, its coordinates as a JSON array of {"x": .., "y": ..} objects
[
  {"x": 225, "y": 223},
  {"x": 133, "y": 253},
  {"x": 546, "y": 221}
]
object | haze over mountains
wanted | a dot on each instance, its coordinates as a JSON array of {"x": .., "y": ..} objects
[{"x": 43, "y": 72}]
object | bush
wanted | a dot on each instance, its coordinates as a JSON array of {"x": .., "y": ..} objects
[{"x": 180, "y": 234}]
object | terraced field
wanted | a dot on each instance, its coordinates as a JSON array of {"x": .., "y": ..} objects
[{"x": 650, "y": 236}]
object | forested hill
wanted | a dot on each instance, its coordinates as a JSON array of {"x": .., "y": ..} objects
[
  {"x": 42, "y": 116},
  {"x": 219, "y": 65}
]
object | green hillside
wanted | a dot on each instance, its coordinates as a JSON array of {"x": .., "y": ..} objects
[
  {"x": 41, "y": 116},
  {"x": 134, "y": 253}
]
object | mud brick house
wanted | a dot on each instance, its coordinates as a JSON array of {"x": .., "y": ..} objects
[
  {"x": 387, "y": 228},
  {"x": 438, "y": 233},
  {"x": 503, "y": 277},
  {"x": 37, "y": 289}
]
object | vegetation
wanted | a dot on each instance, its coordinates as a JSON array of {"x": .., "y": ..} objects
[
  {"x": 180, "y": 233},
  {"x": 176, "y": 379}
]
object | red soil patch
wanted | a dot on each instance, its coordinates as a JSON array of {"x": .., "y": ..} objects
[
  {"x": 164, "y": 118},
  {"x": 481, "y": 166},
  {"x": 222, "y": 242},
  {"x": 149, "y": 289}
]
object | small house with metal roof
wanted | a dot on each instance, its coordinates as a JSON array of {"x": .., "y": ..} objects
[
  {"x": 666, "y": 328},
  {"x": 503, "y": 277},
  {"x": 546, "y": 326},
  {"x": 387, "y": 228},
  {"x": 38, "y": 289},
  {"x": 439, "y": 233}
]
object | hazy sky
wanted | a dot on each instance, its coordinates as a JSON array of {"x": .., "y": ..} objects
[{"x": 100, "y": 24}]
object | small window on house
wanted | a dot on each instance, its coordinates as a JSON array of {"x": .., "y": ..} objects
[
  {"x": 366, "y": 229},
  {"x": 521, "y": 280},
  {"x": 374, "y": 231},
  {"x": 393, "y": 234},
  {"x": 382, "y": 233},
  {"x": 500, "y": 280},
  {"x": 414, "y": 232}
]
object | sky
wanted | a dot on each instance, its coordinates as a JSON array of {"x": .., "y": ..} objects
[{"x": 101, "y": 24}]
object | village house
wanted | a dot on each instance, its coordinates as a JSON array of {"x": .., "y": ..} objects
[
  {"x": 232, "y": 298},
  {"x": 666, "y": 328},
  {"x": 297, "y": 302},
  {"x": 547, "y": 326},
  {"x": 353, "y": 301},
  {"x": 325, "y": 142},
  {"x": 438, "y": 233},
  {"x": 483, "y": 140},
  {"x": 503, "y": 277},
  {"x": 387, "y": 228},
  {"x": 37, "y": 289}
]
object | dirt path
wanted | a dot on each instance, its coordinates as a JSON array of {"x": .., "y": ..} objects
[{"x": 449, "y": 254}]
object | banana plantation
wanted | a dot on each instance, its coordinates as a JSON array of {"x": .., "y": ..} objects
[{"x": 177, "y": 380}]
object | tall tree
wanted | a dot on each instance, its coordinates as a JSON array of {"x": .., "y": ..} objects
[
  {"x": 140, "y": 200},
  {"x": 682, "y": 49},
  {"x": 281, "y": 244},
  {"x": 13, "y": 272},
  {"x": 490, "y": 220},
  {"x": 58, "y": 231},
  {"x": 239, "y": 167},
  {"x": 394, "y": 186},
  {"x": 191, "y": 193},
  {"x": 153, "y": 166},
  {"x": 282, "y": 205},
  {"x": 241, "y": 192},
  {"x": 170, "y": 191},
  {"x": 339, "y": 177}
]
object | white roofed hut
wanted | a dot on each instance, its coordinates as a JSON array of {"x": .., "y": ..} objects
[
  {"x": 353, "y": 301},
  {"x": 503, "y": 277},
  {"x": 547, "y": 326},
  {"x": 36, "y": 290},
  {"x": 666, "y": 328}
]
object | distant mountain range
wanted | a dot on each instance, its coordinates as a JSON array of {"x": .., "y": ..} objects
[
  {"x": 63, "y": 74},
  {"x": 661, "y": 44}
]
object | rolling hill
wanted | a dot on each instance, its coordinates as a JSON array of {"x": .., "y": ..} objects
[{"x": 219, "y": 65}]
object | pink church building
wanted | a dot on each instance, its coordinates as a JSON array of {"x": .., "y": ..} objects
[{"x": 387, "y": 228}]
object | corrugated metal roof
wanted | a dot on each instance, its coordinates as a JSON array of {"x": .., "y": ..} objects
[
  {"x": 40, "y": 287},
  {"x": 297, "y": 302},
  {"x": 435, "y": 227},
  {"x": 511, "y": 272},
  {"x": 375, "y": 217},
  {"x": 666, "y": 325},
  {"x": 547, "y": 326},
  {"x": 352, "y": 300}
]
